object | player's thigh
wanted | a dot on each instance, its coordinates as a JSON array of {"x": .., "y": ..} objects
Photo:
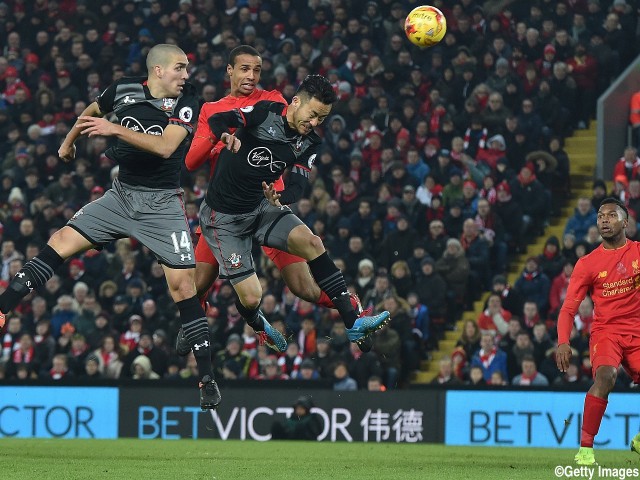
[
  {"x": 275, "y": 226},
  {"x": 605, "y": 350},
  {"x": 229, "y": 238},
  {"x": 67, "y": 242},
  {"x": 283, "y": 259},
  {"x": 161, "y": 225},
  {"x": 103, "y": 220},
  {"x": 298, "y": 278},
  {"x": 631, "y": 356}
]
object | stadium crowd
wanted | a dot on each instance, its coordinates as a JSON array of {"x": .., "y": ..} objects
[{"x": 437, "y": 165}]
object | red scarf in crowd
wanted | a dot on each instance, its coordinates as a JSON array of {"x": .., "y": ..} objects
[
  {"x": 487, "y": 357},
  {"x": 22, "y": 357},
  {"x": 526, "y": 379}
]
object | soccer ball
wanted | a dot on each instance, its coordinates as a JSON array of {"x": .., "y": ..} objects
[{"x": 425, "y": 26}]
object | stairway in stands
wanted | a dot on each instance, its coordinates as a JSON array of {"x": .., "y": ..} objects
[{"x": 581, "y": 148}]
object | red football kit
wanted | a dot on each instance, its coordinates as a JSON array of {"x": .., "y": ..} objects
[
  {"x": 202, "y": 149},
  {"x": 613, "y": 279}
]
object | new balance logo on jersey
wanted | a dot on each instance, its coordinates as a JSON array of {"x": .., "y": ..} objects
[
  {"x": 127, "y": 99},
  {"x": 20, "y": 274},
  {"x": 271, "y": 131},
  {"x": 185, "y": 256},
  {"x": 198, "y": 346}
]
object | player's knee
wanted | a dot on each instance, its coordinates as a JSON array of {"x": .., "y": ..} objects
[
  {"x": 606, "y": 378},
  {"x": 315, "y": 242},
  {"x": 183, "y": 289},
  {"x": 250, "y": 300}
]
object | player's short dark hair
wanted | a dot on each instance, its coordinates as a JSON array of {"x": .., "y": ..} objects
[
  {"x": 318, "y": 87},
  {"x": 615, "y": 201},
  {"x": 242, "y": 50}
]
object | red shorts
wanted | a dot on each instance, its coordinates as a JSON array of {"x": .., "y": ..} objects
[
  {"x": 606, "y": 348},
  {"x": 203, "y": 252},
  {"x": 280, "y": 258}
]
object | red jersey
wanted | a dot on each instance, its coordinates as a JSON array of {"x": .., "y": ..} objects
[
  {"x": 613, "y": 278},
  {"x": 202, "y": 147}
]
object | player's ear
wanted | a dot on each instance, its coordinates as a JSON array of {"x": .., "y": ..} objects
[
  {"x": 295, "y": 101},
  {"x": 229, "y": 69}
]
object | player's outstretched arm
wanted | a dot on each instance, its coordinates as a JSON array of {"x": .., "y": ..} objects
[
  {"x": 161, "y": 145},
  {"x": 67, "y": 151}
]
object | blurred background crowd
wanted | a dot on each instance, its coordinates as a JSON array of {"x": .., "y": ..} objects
[{"x": 437, "y": 166}]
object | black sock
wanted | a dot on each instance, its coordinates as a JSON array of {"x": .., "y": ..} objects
[
  {"x": 196, "y": 331},
  {"x": 331, "y": 281},
  {"x": 251, "y": 316},
  {"x": 35, "y": 273}
]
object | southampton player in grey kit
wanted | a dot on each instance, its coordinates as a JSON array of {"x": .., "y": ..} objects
[
  {"x": 275, "y": 137},
  {"x": 155, "y": 117}
]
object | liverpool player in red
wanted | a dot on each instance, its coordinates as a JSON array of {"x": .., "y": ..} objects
[
  {"x": 244, "y": 68},
  {"x": 611, "y": 274}
]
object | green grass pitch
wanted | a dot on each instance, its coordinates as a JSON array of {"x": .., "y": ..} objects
[{"x": 238, "y": 460}]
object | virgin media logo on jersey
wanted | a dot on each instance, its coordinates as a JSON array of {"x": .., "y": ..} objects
[
  {"x": 133, "y": 124},
  {"x": 261, "y": 157}
]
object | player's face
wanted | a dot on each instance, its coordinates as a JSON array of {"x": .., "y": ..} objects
[
  {"x": 308, "y": 113},
  {"x": 245, "y": 74},
  {"x": 611, "y": 222},
  {"x": 174, "y": 75}
]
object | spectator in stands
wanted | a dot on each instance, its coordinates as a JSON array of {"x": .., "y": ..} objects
[
  {"x": 582, "y": 219},
  {"x": 490, "y": 358},
  {"x": 454, "y": 268},
  {"x": 445, "y": 373},
  {"x": 235, "y": 360},
  {"x": 494, "y": 319},
  {"x": 476, "y": 377},
  {"x": 523, "y": 347},
  {"x": 534, "y": 285},
  {"x": 528, "y": 192},
  {"x": 60, "y": 369},
  {"x": 470, "y": 339},
  {"x": 543, "y": 347},
  {"x": 530, "y": 375},
  {"x": 476, "y": 250},
  {"x": 551, "y": 260},
  {"x": 141, "y": 369},
  {"x": 341, "y": 379},
  {"x": 510, "y": 212},
  {"x": 627, "y": 165}
]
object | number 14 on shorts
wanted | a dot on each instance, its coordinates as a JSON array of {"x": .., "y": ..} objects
[{"x": 185, "y": 241}]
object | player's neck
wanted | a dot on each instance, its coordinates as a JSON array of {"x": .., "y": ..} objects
[
  {"x": 238, "y": 93},
  {"x": 156, "y": 90},
  {"x": 614, "y": 244}
]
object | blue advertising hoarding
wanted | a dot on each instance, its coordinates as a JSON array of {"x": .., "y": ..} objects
[
  {"x": 535, "y": 419},
  {"x": 59, "y": 412}
]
